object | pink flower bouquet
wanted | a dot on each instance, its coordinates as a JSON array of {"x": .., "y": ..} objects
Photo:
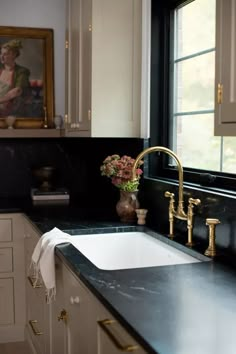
[{"x": 119, "y": 169}]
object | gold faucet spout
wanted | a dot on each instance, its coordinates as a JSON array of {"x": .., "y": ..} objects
[{"x": 179, "y": 214}]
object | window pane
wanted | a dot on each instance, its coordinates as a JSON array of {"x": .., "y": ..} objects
[
  {"x": 195, "y": 144},
  {"x": 195, "y": 27},
  {"x": 194, "y": 83},
  {"x": 229, "y": 155}
]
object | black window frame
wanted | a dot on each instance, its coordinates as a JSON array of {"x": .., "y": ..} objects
[{"x": 161, "y": 23}]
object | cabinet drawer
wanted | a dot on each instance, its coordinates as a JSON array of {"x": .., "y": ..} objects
[
  {"x": 6, "y": 230},
  {"x": 6, "y": 260},
  {"x": 6, "y": 302},
  {"x": 112, "y": 337},
  {"x": 36, "y": 317}
]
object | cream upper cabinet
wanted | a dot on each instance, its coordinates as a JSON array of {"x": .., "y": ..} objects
[
  {"x": 225, "y": 109},
  {"x": 104, "y": 49}
]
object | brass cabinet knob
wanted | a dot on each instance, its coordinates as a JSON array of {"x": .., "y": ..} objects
[
  {"x": 74, "y": 300},
  {"x": 211, "y": 250},
  {"x": 63, "y": 316}
]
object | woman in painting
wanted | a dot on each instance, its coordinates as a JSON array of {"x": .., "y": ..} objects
[{"x": 14, "y": 81}]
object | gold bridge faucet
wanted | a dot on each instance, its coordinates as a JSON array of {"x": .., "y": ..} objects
[{"x": 178, "y": 213}]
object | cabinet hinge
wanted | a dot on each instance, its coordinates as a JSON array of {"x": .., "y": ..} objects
[
  {"x": 90, "y": 28},
  {"x": 67, "y": 44}
]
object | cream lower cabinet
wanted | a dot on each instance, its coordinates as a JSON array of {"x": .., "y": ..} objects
[
  {"x": 76, "y": 322},
  {"x": 86, "y": 326},
  {"x": 59, "y": 315},
  {"x": 38, "y": 312},
  {"x": 112, "y": 338},
  {"x": 12, "y": 291},
  {"x": 70, "y": 322}
]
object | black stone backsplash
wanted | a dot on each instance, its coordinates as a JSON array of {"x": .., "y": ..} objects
[
  {"x": 213, "y": 205},
  {"x": 77, "y": 162}
]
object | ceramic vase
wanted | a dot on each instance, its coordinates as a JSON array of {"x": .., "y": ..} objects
[{"x": 126, "y": 206}]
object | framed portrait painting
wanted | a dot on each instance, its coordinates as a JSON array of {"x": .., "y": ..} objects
[{"x": 26, "y": 77}]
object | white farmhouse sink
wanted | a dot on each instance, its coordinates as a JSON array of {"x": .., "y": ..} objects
[{"x": 123, "y": 250}]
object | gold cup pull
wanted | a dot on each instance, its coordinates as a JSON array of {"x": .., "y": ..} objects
[
  {"x": 33, "y": 282},
  {"x": 211, "y": 250},
  {"x": 106, "y": 325}
]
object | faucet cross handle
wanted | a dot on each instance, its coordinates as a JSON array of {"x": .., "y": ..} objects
[
  {"x": 192, "y": 201},
  {"x": 170, "y": 195}
]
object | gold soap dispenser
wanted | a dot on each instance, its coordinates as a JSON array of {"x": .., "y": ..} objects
[{"x": 211, "y": 250}]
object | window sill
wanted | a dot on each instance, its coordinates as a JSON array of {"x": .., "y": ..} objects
[{"x": 197, "y": 187}]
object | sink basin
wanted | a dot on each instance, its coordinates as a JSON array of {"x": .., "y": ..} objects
[{"x": 124, "y": 250}]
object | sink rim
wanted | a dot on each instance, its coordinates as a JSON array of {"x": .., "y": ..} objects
[{"x": 173, "y": 244}]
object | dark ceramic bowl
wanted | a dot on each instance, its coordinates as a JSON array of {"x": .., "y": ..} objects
[{"x": 44, "y": 176}]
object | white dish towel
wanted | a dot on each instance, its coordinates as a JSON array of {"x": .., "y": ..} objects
[{"x": 43, "y": 260}]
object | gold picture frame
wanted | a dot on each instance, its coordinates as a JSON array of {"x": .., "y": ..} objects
[{"x": 31, "y": 79}]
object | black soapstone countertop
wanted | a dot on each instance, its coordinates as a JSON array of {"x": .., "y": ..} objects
[{"x": 175, "y": 309}]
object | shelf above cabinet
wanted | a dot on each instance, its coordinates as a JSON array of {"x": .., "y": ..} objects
[{"x": 31, "y": 133}]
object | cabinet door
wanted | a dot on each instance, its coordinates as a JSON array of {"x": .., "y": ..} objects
[
  {"x": 12, "y": 293},
  {"x": 6, "y": 230},
  {"x": 38, "y": 312},
  {"x": 76, "y": 306},
  {"x": 36, "y": 318},
  {"x": 225, "y": 118},
  {"x": 78, "y": 68},
  {"x": 58, "y": 322},
  {"x": 116, "y": 68},
  {"x": 6, "y": 302},
  {"x": 104, "y": 68}
]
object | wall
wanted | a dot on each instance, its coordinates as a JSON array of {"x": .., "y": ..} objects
[{"x": 42, "y": 14}]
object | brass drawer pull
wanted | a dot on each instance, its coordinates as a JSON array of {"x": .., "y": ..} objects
[
  {"x": 34, "y": 329},
  {"x": 33, "y": 282},
  {"x": 106, "y": 326}
]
